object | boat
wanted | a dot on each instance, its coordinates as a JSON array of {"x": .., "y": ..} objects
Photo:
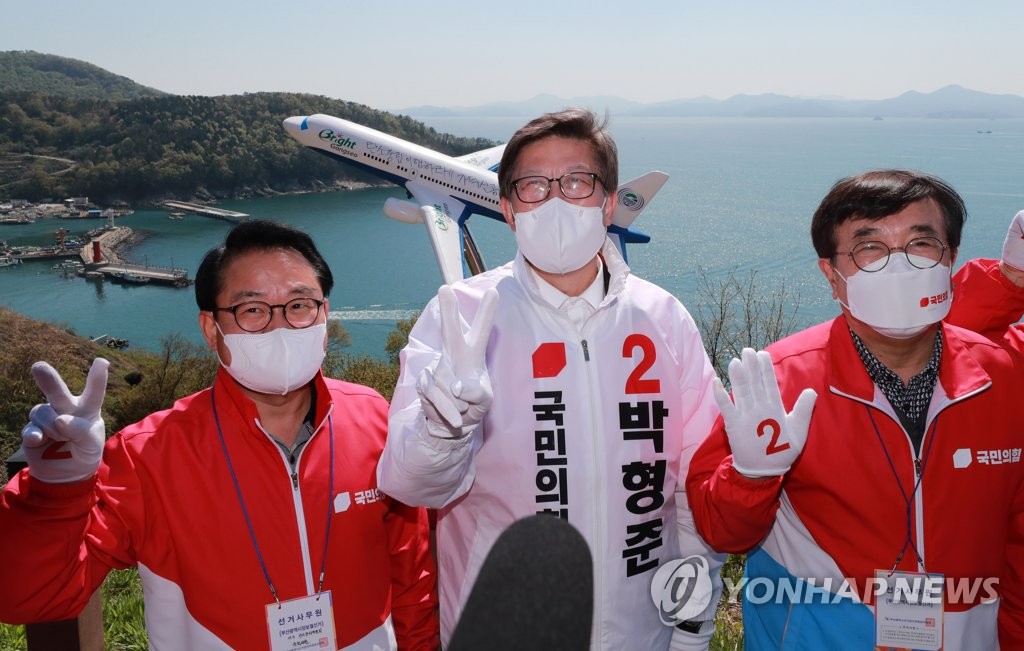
[
  {"x": 129, "y": 277},
  {"x": 8, "y": 261},
  {"x": 68, "y": 265},
  {"x": 176, "y": 215}
]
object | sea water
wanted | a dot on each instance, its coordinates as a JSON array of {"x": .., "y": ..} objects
[{"x": 739, "y": 198}]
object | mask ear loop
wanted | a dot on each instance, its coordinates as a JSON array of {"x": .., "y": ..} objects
[
  {"x": 835, "y": 270},
  {"x": 217, "y": 349}
]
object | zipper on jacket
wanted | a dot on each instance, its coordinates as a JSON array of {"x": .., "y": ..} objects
[
  {"x": 586, "y": 351},
  {"x": 917, "y": 466},
  {"x": 295, "y": 472}
]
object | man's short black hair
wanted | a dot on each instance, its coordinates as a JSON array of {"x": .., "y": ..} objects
[
  {"x": 878, "y": 194},
  {"x": 256, "y": 235}
]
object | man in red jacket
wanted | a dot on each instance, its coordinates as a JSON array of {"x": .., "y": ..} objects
[
  {"x": 885, "y": 509},
  {"x": 251, "y": 508}
]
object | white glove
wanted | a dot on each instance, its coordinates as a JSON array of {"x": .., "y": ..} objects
[
  {"x": 765, "y": 440},
  {"x": 63, "y": 441},
  {"x": 455, "y": 391},
  {"x": 1013, "y": 245}
]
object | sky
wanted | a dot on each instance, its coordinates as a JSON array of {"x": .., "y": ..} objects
[{"x": 403, "y": 53}]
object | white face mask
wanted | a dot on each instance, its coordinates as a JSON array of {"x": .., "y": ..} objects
[
  {"x": 899, "y": 300},
  {"x": 278, "y": 361},
  {"x": 558, "y": 236}
]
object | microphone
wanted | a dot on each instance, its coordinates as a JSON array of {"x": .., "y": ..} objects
[{"x": 535, "y": 590}]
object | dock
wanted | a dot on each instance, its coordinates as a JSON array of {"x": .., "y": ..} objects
[
  {"x": 207, "y": 211},
  {"x": 130, "y": 273},
  {"x": 101, "y": 260}
]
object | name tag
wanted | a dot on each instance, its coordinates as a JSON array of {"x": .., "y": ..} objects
[
  {"x": 908, "y": 614},
  {"x": 303, "y": 623}
]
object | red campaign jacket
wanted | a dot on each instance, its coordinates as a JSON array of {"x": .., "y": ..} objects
[
  {"x": 985, "y": 301},
  {"x": 839, "y": 509},
  {"x": 164, "y": 501}
]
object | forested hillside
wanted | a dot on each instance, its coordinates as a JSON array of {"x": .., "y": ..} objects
[
  {"x": 46, "y": 73},
  {"x": 55, "y": 145}
]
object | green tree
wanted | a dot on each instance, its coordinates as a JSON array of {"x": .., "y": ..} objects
[{"x": 180, "y": 369}]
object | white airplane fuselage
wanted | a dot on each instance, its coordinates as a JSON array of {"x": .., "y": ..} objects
[{"x": 400, "y": 161}]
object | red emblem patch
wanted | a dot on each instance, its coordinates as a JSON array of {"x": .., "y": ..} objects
[{"x": 548, "y": 359}]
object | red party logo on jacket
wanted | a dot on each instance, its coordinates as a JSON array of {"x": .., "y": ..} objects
[{"x": 549, "y": 359}]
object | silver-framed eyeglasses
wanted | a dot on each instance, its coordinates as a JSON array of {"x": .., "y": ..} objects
[
  {"x": 921, "y": 252},
  {"x": 574, "y": 185},
  {"x": 253, "y": 316}
]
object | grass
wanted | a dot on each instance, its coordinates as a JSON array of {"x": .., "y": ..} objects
[
  {"x": 124, "y": 626},
  {"x": 729, "y": 619}
]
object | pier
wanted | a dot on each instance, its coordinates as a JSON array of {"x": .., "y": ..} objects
[
  {"x": 207, "y": 211},
  {"x": 130, "y": 273},
  {"x": 101, "y": 260}
]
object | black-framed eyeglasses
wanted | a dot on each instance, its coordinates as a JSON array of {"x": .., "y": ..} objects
[
  {"x": 921, "y": 252},
  {"x": 253, "y": 316},
  {"x": 574, "y": 185}
]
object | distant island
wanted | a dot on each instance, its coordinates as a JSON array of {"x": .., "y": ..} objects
[{"x": 950, "y": 102}]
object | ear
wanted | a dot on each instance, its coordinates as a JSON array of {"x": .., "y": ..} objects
[
  {"x": 209, "y": 327},
  {"x": 507, "y": 213},
  {"x": 827, "y": 270},
  {"x": 611, "y": 202}
]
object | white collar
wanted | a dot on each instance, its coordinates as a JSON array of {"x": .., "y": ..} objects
[{"x": 593, "y": 294}]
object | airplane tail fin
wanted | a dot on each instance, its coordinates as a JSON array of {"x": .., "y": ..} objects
[
  {"x": 635, "y": 195},
  {"x": 633, "y": 198}
]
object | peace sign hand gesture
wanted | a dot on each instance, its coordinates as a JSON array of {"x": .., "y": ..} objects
[
  {"x": 455, "y": 391},
  {"x": 63, "y": 441},
  {"x": 765, "y": 440}
]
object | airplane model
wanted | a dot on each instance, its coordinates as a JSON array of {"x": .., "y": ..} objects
[{"x": 446, "y": 189}]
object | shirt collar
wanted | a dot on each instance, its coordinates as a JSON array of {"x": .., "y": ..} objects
[
  {"x": 918, "y": 391},
  {"x": 593, "y": 294}
]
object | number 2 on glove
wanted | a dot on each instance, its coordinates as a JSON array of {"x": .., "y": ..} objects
[
  {"x": 56, "y": 451},
  {"x": 770, "y": 426}
]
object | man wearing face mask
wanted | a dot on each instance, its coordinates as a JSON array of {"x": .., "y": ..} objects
[
  {"x": 579, "y": 391},
  {"x": 885, "y": 508},
  {"x": 250, "y": 508}
]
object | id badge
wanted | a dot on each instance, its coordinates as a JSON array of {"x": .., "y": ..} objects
[
  {"x": 908, "y": 614},
  {"x": 303, "y": 623}
]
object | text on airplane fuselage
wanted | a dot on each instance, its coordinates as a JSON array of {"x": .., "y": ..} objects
[{"x": 347, "y": 146}]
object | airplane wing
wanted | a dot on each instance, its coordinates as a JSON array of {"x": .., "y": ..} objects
[
  {"x": 441, "y": 214},
  {"x": 485, "y": 158}
]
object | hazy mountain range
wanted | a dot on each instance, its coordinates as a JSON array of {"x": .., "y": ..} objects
[
  {"x": 28, "y": 71},
  {"x": 948, "y": 102}
]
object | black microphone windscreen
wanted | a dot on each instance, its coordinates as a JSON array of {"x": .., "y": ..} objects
[{"x": 535, "y": 590}]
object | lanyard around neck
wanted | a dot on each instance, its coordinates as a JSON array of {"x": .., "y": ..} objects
[
  {"x": 245, "y": 511},
  {"x": 907, "y": 499}
]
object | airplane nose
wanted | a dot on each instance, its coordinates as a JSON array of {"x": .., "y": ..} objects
[{"x": 295, "y": 125}]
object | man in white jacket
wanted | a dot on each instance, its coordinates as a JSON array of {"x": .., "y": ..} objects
[{"x": 579, "y": 390}]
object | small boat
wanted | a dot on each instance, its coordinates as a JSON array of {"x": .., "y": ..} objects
[
  {"x": 176, "y": 215},
  {"x": 129, "y": 277},
  {"x": 8, "y": 261},
  {"x": 67, "y": 265}
]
